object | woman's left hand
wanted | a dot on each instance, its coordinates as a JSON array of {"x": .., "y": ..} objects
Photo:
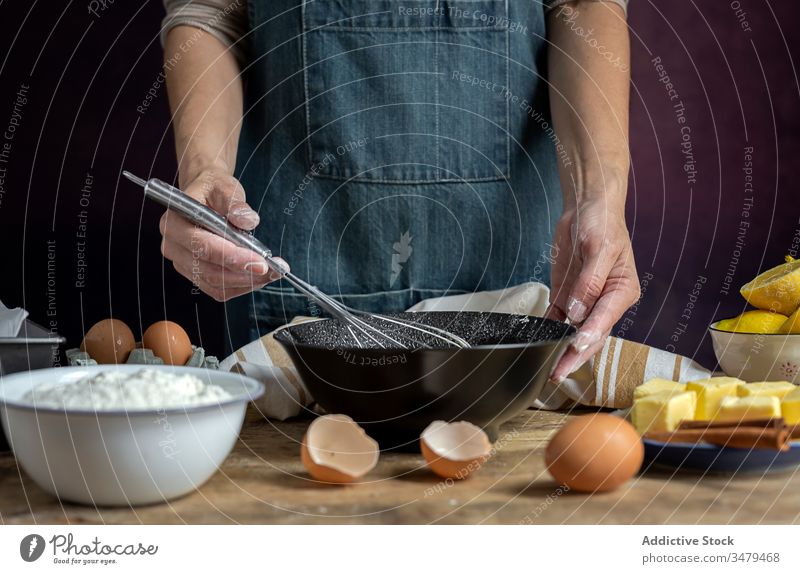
[{"x": 594, "y": 278}]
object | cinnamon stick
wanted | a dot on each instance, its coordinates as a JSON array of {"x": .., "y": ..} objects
[
  {"x": 777, "y": 422},
  {"x": 732, "y": 436}
]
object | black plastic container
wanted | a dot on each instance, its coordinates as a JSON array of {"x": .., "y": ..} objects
[
  {"x": 33, "y": 348},
  {"x": 395, "y": 393}
]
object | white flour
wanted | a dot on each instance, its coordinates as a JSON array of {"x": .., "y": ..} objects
[{"x": 142, "y": 389}]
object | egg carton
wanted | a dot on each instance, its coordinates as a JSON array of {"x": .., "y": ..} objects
[{"x": 142, "y": 356}]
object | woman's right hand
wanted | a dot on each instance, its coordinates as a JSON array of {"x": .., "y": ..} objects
[{"x": 216, "y": 266}]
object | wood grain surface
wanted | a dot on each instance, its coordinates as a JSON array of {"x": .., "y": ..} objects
[{"x": 263, "y": 481}]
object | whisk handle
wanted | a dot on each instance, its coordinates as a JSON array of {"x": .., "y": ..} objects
[{"x": 173, "y": 198}]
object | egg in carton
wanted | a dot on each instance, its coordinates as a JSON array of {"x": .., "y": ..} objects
[{"x": 111, "y": 341}]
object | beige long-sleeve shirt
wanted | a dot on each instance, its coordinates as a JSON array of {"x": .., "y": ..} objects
[{"x": 226, "y": 20}]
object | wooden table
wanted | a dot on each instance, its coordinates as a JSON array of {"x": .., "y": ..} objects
[{"x": 263, "y": 481}]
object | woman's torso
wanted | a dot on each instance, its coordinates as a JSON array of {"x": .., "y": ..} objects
[{"x": 398, "y": 151}]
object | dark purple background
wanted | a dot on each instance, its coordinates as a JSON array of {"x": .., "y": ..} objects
[{"x": 88, "y": 74}]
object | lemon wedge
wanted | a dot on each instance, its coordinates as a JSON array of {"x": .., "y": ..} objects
[
  {"x": 792, "y": 324},
  {"x": 777, "y": 289},
  {"x": 756, "y": 321}
]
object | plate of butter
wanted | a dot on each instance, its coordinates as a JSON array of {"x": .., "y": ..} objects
[{"x": 718, "y": 425}]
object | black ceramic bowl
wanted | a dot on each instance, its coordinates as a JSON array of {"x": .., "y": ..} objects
[{"x": 395, "y": 393}]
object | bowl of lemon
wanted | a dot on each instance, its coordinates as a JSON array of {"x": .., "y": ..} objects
[{"x": 763, "y": 344}]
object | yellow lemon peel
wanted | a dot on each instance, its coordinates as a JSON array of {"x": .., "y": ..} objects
[{"x": 756, "y": 321}]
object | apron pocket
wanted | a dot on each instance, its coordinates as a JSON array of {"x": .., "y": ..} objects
[{"x": 411, "y": 92}]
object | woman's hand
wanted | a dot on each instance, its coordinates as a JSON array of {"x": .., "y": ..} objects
[
  {"x": 593, "y": 277},
  {"x": 217, "y": 266}
]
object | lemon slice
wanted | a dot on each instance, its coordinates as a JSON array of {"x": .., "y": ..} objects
[
  {"x": 756, "y": 321},
  {"x": 777, "y": 289}
]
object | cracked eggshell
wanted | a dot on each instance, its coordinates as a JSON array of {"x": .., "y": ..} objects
[
  {"x": 454, "y": 450},
  {"x": 335, "y": 449}
]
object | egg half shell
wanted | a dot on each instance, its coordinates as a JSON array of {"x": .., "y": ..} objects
[
  {"x": 454, "y": 450},
  {"x": 595, "y": 453},
  {"x": 109, "y": 341},
  {"x": 336, "y": 450},
  {"x": 169, "y": 342}
]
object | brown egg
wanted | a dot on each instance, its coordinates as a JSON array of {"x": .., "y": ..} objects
[
  {"x": 454, "y": 450},
  {"x": 336, "y": 450},
  {"x": 168, "y": 341},
  {"x": 109, "y": 341},
  {"x": 595, "y": 453}
]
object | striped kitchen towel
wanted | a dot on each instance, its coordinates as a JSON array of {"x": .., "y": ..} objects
[
  {"x": 607, "y": 379},
  {"x": 264, "y": 359}
]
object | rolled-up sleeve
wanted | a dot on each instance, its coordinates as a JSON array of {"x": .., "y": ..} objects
[
  {"x": 226, "y": 20},
  {"x": 550, "y": 4}
]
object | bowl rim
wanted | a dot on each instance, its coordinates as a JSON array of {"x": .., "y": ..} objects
[
  {"x": 252, "y": 390},
  {"x": 572, "y": 330},
  {"x": 712, "y": 327}
]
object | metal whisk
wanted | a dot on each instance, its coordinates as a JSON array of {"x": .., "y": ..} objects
[{"x": 358, "y": 323}]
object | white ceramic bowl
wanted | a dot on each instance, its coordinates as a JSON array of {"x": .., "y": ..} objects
[
  {"x": 757, "y": 357},
  {"x": 122, "y": 457}
]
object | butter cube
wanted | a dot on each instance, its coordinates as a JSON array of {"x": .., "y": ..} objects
[
  {"x": 790, "y": 407},
  {"x": 710, "y": 393},
  {"x": 662, "y": 412},
  {"x": 770, "y": 389},
  {"x": 657, "y": 386},
  {"x": 736, "y": 409}
]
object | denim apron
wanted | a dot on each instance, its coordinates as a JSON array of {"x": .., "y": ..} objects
[{"x": 396, "y": 150}]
